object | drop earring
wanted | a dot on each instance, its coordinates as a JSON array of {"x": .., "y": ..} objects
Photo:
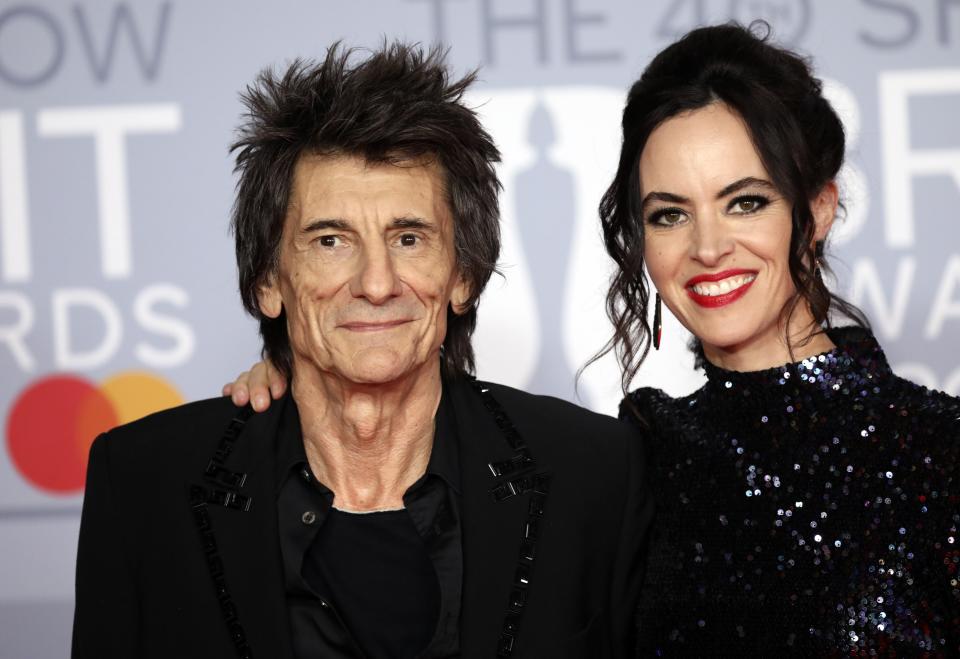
[
  {"x": 818, "y": 260},
  {"x": 657, "y": 324}
]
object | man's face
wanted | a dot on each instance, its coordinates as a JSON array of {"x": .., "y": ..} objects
[{"x": 367, "y": 269}]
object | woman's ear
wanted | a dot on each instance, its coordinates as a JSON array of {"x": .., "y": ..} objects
[{"x": 824, "y": 209}]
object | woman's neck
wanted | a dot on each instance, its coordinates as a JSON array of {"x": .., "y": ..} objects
[{"x": 774, "y": 348}]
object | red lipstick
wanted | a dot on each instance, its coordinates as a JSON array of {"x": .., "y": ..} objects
[{"x": 714, "y": 301}]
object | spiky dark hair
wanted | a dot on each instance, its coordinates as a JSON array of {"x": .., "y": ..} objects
[{"x": 396, "y": 105}]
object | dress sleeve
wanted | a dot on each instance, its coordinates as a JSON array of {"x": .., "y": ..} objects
[{"x": 106, "y": 618}]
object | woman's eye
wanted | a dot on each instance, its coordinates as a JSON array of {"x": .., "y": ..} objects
[
  {"x": 667, "y": 217},
  {"x": 747, "y": 205}
]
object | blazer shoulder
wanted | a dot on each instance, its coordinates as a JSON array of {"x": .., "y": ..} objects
[
  {"x": 562, "y": 421},
  {"x": 179, "y": 431},
  {"x": 547, "y": 405}
]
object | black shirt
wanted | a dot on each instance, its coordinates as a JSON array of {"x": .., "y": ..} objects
[
  {"x": 377, "y": 572},
  {"x": 332, "y": 611}
]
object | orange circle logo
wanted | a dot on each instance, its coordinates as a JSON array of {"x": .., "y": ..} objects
[{"x": 54, "y": 420}]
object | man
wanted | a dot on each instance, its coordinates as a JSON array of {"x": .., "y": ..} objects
[{"x": 389, "y": 505}]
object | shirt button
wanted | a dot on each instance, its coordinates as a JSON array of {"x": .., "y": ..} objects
[
  {"x": 308, "y": 517},
  {"x": 305, "y": 474}
]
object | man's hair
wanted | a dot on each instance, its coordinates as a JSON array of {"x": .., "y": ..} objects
[{"x": 398, "y": 106}]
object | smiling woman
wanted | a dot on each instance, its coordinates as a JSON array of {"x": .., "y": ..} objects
[
  {"x": 806, "y": 495},
  {"x": 717, "y": 231}
]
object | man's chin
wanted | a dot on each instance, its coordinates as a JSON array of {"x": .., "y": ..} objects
[{"x": 381, "y": 366}]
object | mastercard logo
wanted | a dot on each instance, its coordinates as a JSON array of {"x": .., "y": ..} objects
[{"x": 53, "y": 422}]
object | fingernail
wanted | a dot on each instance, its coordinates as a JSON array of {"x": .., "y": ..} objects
[{"x": 259, "y": 402}]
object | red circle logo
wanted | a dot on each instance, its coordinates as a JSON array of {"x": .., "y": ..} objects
[{"x": 55, "y": 419}]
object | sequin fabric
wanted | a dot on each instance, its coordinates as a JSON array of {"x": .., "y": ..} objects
[{"x": 807, "y": 510}]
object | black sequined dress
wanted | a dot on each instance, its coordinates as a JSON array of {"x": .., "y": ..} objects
[{"x": 807, "y": 510}]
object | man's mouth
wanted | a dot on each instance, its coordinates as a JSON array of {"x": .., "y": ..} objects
[
  {"x": 721, "y": 288},
  {"x": 361, "y": 326}
]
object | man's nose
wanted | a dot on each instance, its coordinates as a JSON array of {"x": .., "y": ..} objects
[
  {"x": 376, "y": 278},
  {"x": 711, "y": 242}
]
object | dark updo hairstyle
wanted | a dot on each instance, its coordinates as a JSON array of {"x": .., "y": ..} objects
[
  {"x": 397, "y": 106},
  {"x": 795, "y": 131}
]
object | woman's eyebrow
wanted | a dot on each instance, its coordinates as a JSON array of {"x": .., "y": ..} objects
[
  {"x": 668, "y": 197},
  {"x": 736, "y": 186},
  {"x": 747, "y": 181}
]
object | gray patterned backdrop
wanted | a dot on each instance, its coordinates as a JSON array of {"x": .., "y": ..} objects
[{"x": 117, "y": 289}]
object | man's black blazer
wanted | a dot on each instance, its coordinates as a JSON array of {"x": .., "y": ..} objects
[{"x": 179, "y": 554}]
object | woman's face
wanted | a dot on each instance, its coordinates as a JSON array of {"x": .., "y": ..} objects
[{"x": 717, "y": 236}]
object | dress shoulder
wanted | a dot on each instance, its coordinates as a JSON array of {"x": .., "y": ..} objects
[
  {"x": 926, "y": 426},
  {"x": 931, "y": 404},
  {"x": 656, "y": 411}
]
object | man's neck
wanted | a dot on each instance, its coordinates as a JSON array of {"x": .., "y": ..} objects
[{"x": 368, "y": 443}]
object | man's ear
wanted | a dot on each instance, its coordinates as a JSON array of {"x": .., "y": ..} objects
[
  {"x": 459, "y": 296},
  {"x": 269, "y": 298},
  {"x": 824, "y": 209}
]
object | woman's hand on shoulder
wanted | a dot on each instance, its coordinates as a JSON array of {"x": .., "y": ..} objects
[{"x": 258, "y": 386}]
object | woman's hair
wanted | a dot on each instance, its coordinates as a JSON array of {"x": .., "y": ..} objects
[
  {"x": 397, "y": 106},
  {"x": 795, "y": 131}
]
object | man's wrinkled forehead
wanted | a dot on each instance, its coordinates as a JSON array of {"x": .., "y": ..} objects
[
  {"x": 402, "y": 161},
  {"x": 350, "y": 193}
]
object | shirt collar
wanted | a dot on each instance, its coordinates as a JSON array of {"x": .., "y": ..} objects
[
  {"x": 291, "y": 456},
  {"x": 444, "y": 455}
]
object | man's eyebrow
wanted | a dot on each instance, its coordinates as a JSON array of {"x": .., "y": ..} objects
[
  {"x": 325, "y": 223},
  {"x": 403, "y": 222},
  {"x": 745, "y": 182},
  {"x": 409, "y": 222}
]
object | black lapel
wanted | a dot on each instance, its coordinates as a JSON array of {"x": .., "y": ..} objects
[
  {"x": 234, "y": 507},
  {"x": 504, "y": 496}
]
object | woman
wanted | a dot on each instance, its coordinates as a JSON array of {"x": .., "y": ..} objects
[{"x": 808, "y": 498}]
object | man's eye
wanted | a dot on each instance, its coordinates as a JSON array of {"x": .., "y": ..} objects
[
  {"x": 329, "y": 241},
  {"x": 408, "y": 240}
]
